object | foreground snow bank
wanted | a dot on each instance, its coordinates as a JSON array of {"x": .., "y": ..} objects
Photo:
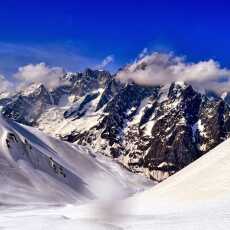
[
  {"x": 207, "y": 215},
  {"x": 195, "y": 198},
  {"x": 198, "y": 197}
]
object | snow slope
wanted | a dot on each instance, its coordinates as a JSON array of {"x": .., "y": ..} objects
[
  {"x": 38, "y": 169},
  {"x": 208, "y": 178},
  {"x": 197, "y": 197}
]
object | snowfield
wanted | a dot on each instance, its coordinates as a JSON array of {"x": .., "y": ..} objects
[{"x": 86, "y": 193}]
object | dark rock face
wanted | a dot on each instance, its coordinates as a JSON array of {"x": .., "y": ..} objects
[
  {"x": 89, "y": 80},
  {"x": 120, "y": 109},
  {"x": 155, "y": 131},
  {"x": 79, "y": 110},
  {"x": 112, "y": 88},
  {"x": 175, "y": 117},
  {"x": 173, "y": 144},
  {"x": 214, "y": 118}
]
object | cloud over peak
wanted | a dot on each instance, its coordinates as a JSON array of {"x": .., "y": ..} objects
[
  {"x": 148, "y": 69},
  {"x": 6, "y": 87},
  {"x": 163, "y": 68},
  {"x": 40, "y": 73}
]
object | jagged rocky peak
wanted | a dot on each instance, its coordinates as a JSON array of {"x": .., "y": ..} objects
[
  {"x": 72, "y": 77},
  {"x": 90, "y": 80},
  {"x": 121, "y": 109},
  {"x": 27, "y": 105},
  {"x": 111, "y": 89},
  {"x": 157, "y": 130},
  {"x": 32, "y": 89},
  {"x": 179, "y": 134},
  {"x": 168, "y": 127}
]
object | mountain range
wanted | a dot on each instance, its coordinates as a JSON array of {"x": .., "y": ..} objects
[{"x": 151, "y": 130}]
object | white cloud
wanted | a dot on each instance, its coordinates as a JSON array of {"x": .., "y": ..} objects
[
  {"x": 163, "y": 68},
  {"x": 40, "y": 73},
  {"x": 6, "y": 87},
  {"x": 107, "y": 61}
]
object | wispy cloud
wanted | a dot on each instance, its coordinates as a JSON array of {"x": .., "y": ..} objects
[
  {"x": 6, "y": 87},
  {"x": 106, "y": 61},
  {"x": 163, "y": 68},
  {"x": 143, "y": 53}
]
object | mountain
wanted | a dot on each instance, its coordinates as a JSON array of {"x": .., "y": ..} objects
[
  {"x": 151, "y": 130},
  {"x": 38, "y": 169}
]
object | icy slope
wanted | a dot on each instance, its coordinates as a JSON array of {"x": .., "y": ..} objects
[{"x": 35, "y": 168}]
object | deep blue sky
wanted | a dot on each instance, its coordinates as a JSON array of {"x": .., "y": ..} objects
[{"x": 77, "y": 33}]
